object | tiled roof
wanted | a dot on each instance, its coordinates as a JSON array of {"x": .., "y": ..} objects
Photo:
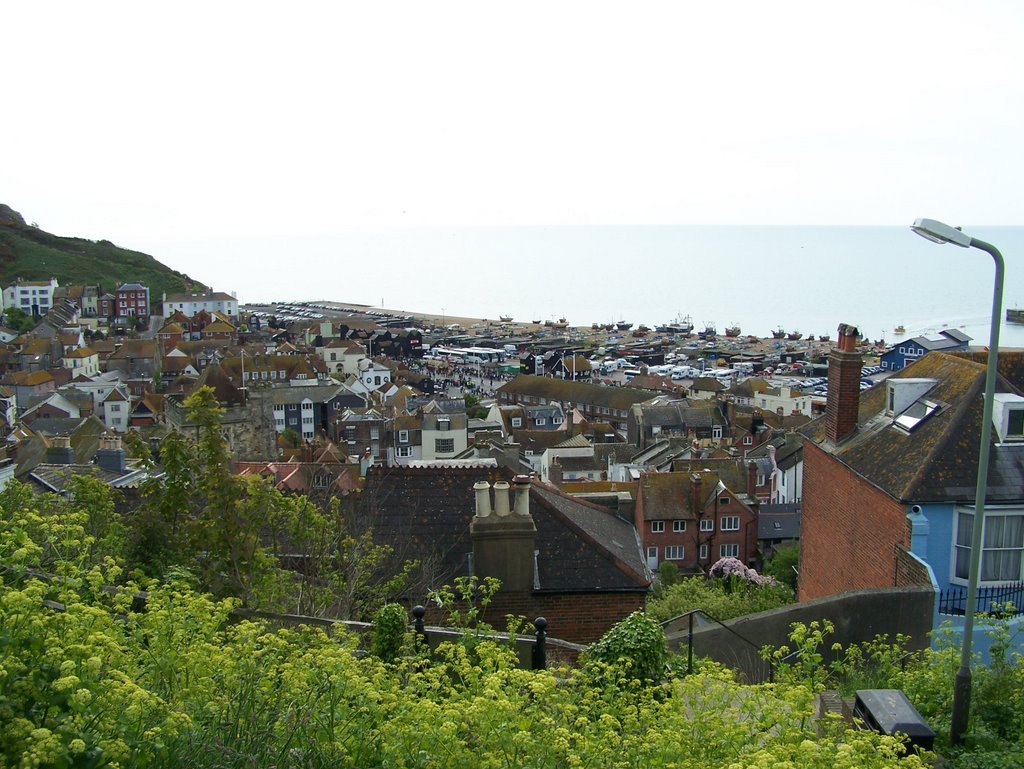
[
  {"x": 574, "y": 392},
  {"x": 426, "y": 513},
  {"x": 937, "y": 460}
]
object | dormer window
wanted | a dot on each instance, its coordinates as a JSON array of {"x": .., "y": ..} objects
[
  {"x": 517, "y": 421},
  {"x": 1008, "y": 417},
  {"x": 917, "y": 413}
]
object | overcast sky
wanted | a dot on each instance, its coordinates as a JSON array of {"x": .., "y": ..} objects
[{"x": 140, "y": 121}]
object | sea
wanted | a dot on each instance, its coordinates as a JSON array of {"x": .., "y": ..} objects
[{"x": 800, "y": 278}]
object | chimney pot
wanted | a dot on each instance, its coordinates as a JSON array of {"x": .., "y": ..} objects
[
  {"x": 521, "y": 484},
  {"x": 483, "y": 498},
  {"x": 501, "y": 507}
]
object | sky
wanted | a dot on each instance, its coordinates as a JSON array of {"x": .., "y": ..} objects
[{"x": 148, "y": 124}]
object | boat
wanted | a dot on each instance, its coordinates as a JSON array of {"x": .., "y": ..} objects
[
  {"x": 680, "y": 325},
  {"x": 779, "y": 333},
  {"x": 1014, "y": 315},
  {"x": 733, "y": 330},
  {"x": 899, "y": 329},
  {"x": 505, "y": 318},
  {"x": 623, "y": 325},
  {"x": 793, "y": 336},
  {"x": 709, "y": 329},
  {"x": 641, "y": 330},
  {"x": 823, "y": 338},
  {"x": 537, "y": 322}
]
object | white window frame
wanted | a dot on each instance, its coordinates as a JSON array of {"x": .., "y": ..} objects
[
  {"x": 403, "y": 451},
  {"x": 703, "y": 551},
  {"x": 516, "y": 421},
  {"x": 657, "y": 527},
  {"x": 403, "y": 436},
  {"x": 729, "y": 551},
  {"x": 707, "y": 524},
  {"x": 678, "y": 526},
  {"x": 675, "y": 552},
  {"x": 964, "y": 550},
  {"x": 729, "y": 523}
]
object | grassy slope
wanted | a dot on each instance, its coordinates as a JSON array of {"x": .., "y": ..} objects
[{"x": 33, "y": 254}]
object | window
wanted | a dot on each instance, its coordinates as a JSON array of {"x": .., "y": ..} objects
[
  {"x": 1002, "y": 547},
  {"x": 1015, "y": 423},
  {"x": 723, "y": 500},
  {"x": 657, "y": 527},
  {"x": 556, "y": 420},
  {"x": 540, "y": 421},
  {"x": 728, "y": 551},
  {"x": 444, "y": 445},
  {"x": 374, "y": 433},
  {"x": 703, "y": 551},
  {"x": 404, "y": 451},
  {"x": 716, "y": 432},
  {"x": 115, "y": 407},
  {"x": 707, "y": 524},
  {"x": 747, "y": 440},
  {"x": 517, "y": 421},
  {"x": 730, "y": 523},
  {"x": 403, "y": 436},
  {"x": 678, "y": 526},
  {"x": 675, "y": 552}
]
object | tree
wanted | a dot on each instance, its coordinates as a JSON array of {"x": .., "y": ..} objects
[
  {"x": 784, "y": 564},
  {"x": 17, "y": 320}
]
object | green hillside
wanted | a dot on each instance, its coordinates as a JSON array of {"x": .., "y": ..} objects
[{"x": 30, "y": 253}]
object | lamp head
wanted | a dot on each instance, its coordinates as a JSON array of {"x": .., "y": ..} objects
[{"x": 937, "y": 232}]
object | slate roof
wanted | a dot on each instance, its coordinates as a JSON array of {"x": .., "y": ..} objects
[
  {"x": 772, "y": 525},
  {"x": 565, "y": 391},
  {"x": 937, "y": 461},
  {"x": 425, "y": 512}
]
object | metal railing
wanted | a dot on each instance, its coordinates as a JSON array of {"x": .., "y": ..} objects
[
  {"x": 689, "y": 638},
  {"x": 998, "y": 600}
]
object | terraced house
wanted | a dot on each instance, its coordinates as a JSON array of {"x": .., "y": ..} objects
[{"x": 597, "y": 403}]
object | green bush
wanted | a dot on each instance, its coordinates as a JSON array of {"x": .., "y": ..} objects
[
  {"x": 390, "y": 629},
  {"x": 713, "y": 597},
  {"x": 635, "y": 647}
]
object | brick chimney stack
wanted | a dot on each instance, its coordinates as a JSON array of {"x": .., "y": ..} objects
[{"x": 843, "y": 402}]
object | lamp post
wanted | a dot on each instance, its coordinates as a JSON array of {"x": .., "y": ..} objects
[{"x": 937, "y": 232}]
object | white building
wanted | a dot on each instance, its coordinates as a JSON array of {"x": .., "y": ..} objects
[
  {"x": 194, "y": 303},
  {"x": 33, "y": 297}
]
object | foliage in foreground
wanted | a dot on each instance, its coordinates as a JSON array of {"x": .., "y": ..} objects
[{"x": 87, "y": 681}]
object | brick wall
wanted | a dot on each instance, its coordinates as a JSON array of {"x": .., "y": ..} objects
[
  {"x": 581, "y": 618},
  {"x": 910, "y": 572},
  {"x": 849, "y": 530}
]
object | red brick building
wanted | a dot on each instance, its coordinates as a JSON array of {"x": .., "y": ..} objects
[
  {"x": 704, "y": 511},
  {"x": 131, "y": 300}
]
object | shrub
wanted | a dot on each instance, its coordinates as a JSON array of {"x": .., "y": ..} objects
[
  {"x": 389, "y": 631},
  {"x": 635, "y": 647},
  {"x": 712, "y": 597}
]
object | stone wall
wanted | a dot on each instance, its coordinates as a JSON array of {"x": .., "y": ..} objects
[{"x": 857, "y": 616}]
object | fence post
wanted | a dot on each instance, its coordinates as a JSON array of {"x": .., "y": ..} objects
[
  {"x": 540, "y": 654},
  {"x": 421, "y": 632}
]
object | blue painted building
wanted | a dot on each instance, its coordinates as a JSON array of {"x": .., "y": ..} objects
[{"x": 902, "y": 354}]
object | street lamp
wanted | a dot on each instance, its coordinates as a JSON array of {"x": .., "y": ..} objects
[{"x": 937, "y": 232}]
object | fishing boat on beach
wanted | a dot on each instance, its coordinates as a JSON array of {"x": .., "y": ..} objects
[
  {"x": 793, "y": 336},
  {"x": 779, "y": 333},
  {"x": 733, "y": 330},
  {"x": 505, "y": 318},
  {"x": 899, "y": 329},
  {"x": 623, "y": 325}
]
